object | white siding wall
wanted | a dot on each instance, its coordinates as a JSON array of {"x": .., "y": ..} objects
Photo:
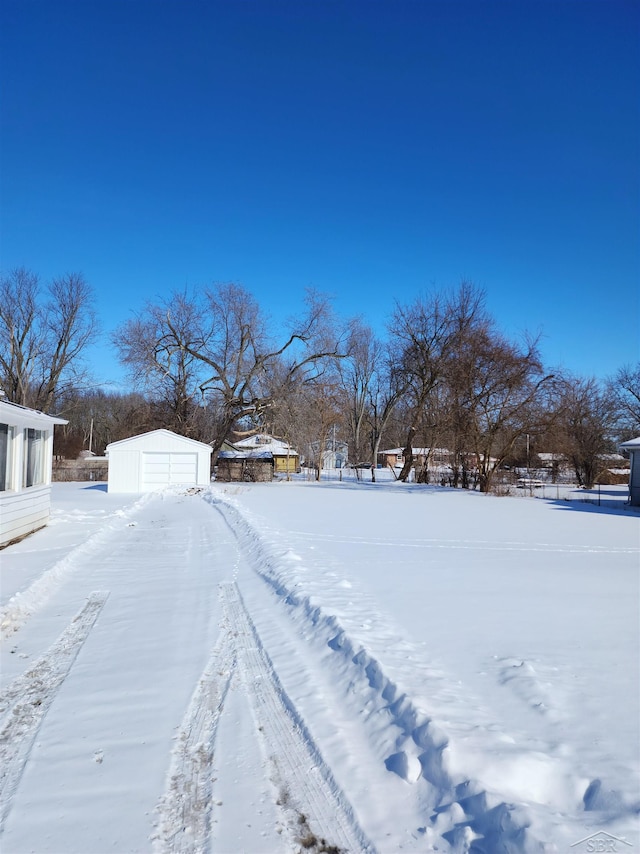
[
  {"x": 204, "y": 469},
  {"x": 23, "y": 512},
  {"x": 124, "y": 470}
]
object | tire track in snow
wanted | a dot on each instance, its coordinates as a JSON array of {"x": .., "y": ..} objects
[
  {"x": 319, "y": 809},
  {"x": 26, "y": 701},
  {"x": 317, "y": 816},
  {"x": 184, "y": 812}
]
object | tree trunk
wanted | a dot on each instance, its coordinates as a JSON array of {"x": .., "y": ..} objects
[{"x": 408, "y": 457}]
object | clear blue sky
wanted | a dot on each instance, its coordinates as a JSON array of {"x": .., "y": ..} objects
[{"x": 371, "y": 150}]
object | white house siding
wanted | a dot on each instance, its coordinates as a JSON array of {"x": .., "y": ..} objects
[
  {"x": 23, "y": 512},
  {"x": 23, "y": 508},
  {"x": 155, "y": 460}
]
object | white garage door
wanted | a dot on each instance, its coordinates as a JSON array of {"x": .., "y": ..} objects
[{"x": 165, "y": 469}]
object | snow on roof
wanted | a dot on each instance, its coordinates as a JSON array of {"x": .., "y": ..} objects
[
  {"x": 162, "y": 432},
  {"x": 419, "y": 451},
  {"x": 18, "y": 414},
  {"x": 246, "y": 453},
  {"x": 266, "y": 442},
  {"x": 632, "y": 444}
]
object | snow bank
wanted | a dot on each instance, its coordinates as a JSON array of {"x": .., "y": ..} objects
[{"x": 490, "y": 636}]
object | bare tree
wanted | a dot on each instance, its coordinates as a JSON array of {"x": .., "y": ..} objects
[
  {"x": 584, "y": 416},
  {"x": 97, "y": 418},
  {"x": 321, "y": 402},
  {"x": 421, "y": 332},
  {"x": 384, "y": 394},
  {"x": 288, "y": 414},
  {"x": 624, "y": 388},
  {"x": 219, "y": 342},
  {"x": 358, "y": 376},
  {"x": 43, "y": 335},
  {"x": 495, "y": 389},
  {"x": 371, "y": 385},
  {"x": 159, "y": 365},
  {"x": 426, "y": 334}
]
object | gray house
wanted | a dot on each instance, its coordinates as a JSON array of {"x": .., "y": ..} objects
[{"x": 633, "y": 447}]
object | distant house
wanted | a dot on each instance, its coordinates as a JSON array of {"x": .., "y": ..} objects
[
  {"x": 26, "y": 453},
  {"x": 335, "y": 453},
  {"x": 551, "y": 465},
  {"x": 286, "y": 460},
  {"x": 155, "y": 460},
  {"x": 633, "y": 447},
  {"x": 391, "y": 457},
  {"x": 395, "y": 456}
]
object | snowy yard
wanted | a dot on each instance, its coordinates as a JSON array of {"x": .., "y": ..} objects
[{"x": 323, "y": 667}]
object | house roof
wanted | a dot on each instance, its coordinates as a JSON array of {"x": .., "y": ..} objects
[
  {"x": 265, "y": 442},
  {"x": 23, "y": 416},
  {"x": 246, "y": 454},
  {"x": 419, "y": 451},
  {"x": 632, "y": 444},
  {"x": 169, "y": 434}
]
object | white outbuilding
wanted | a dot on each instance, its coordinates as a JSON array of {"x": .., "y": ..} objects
[
  {"x": 154, "y": 460},
  {"x": 26, "y": 454},
  {"x": 633, "y": 447}
]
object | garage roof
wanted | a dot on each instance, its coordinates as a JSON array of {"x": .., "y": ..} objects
[{"x": 143, "y": 438}]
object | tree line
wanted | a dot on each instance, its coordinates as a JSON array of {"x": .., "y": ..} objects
[{"x": 208, "y": 364}]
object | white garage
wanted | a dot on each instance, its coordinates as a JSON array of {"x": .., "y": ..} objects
[{"x": 157, "y": 459}]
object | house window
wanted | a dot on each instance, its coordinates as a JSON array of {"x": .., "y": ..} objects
[
  {"x": 6, "y": 435},
  {"x": 34, "y": 445}
]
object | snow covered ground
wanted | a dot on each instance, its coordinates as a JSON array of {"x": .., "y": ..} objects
[{"x": 335, "y": 666}]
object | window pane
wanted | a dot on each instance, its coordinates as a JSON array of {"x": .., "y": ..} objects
[{"x": 34, "y": 457}]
